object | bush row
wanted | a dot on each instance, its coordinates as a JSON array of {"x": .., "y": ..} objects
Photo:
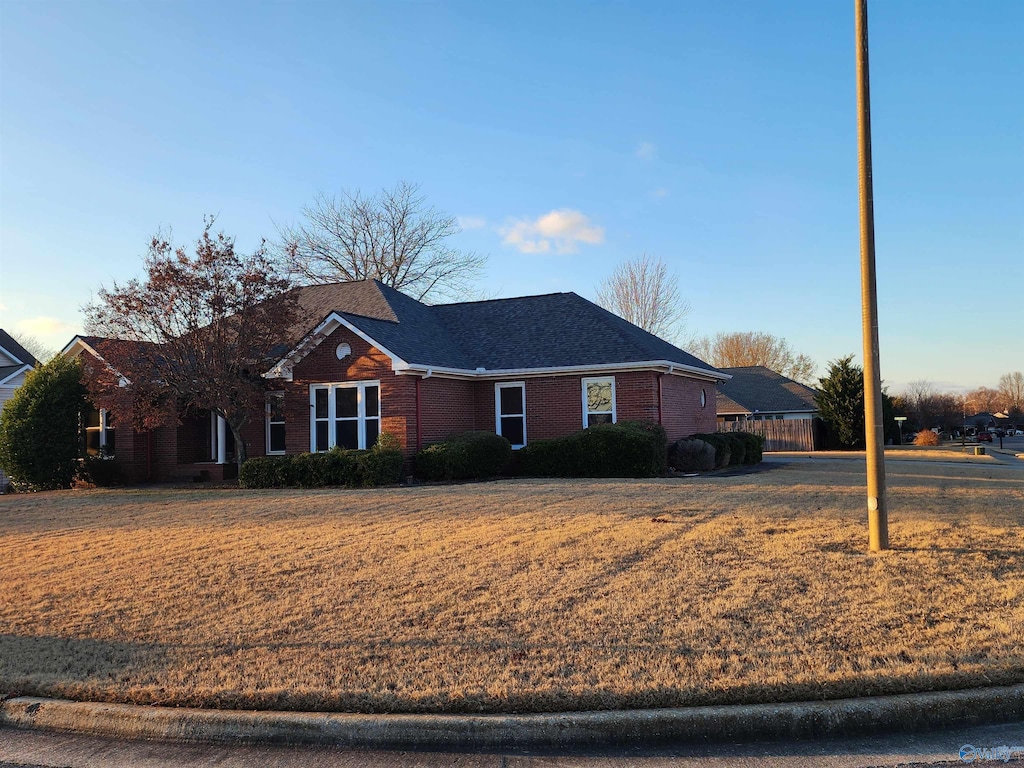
[
  {"x": 337, "y": 466},
  {"x": 704, "y": 452},
  {"x": 625, "y": 449},
  {"x": 464, "y": 456}
]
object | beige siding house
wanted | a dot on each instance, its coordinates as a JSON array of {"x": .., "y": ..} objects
[{"x": 15, "y": 363}]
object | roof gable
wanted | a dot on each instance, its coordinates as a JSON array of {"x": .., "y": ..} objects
[{"x": 17, "y": 354}]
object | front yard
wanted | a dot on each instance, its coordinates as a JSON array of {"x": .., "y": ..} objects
[{"x": 523, "y": 595}]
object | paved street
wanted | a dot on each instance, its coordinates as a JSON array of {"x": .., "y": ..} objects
[{"x": 31, "y": 749}]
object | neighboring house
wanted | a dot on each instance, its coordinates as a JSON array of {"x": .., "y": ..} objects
[
  {"x": 365, "y": 359},
  {"x": 15, "y": 363},
  {"x": 756, "y": 393}
]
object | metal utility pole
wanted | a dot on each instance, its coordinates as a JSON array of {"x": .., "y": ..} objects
[{"x": 878, "y": 518}]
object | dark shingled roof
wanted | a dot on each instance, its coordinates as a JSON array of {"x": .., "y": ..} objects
[
  {"x": 556, "y": 330},
  {"x": 23, "y": 355},
  {"x": 548, "y": 331},
  {"x": 756, "y": 388},
  {"x": 552, "y": 331}
]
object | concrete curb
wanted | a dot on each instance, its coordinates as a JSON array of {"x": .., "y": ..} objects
[{"x": 535, "y": 732}]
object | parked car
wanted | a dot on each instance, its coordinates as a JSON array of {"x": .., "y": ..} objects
[
  {"x": 1017, "y": 432},
  {"x": 984, "y": 437}
]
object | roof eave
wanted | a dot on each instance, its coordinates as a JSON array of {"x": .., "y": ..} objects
[
  {"x": 23, "y": 369},
  {"x": 659, "y": 366}
]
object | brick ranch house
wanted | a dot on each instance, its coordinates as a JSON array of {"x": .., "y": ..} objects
[{"x": 370, "y": 359}]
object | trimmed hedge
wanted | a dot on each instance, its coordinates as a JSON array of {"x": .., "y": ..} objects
[
  {"x": 691, "y": 455},
  {"x": 337, "y": 466},
  {"x": 464, "y": 456},
  {"x": 733, "y": 448},
  {"x": 625, "y": 449},
  {"x": 723, "y": 448},
  {"x": 755, "y": 446},
  {"x": 100, "y": 471}
]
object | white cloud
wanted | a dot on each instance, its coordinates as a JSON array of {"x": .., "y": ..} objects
[
  {"x": 46, "y": 329},
  {"x": 646, "y": 151},
  {"x": 660, "y": 193},
  {"x": 561, "y": 231},
  {"x": 472, "y": 222}
]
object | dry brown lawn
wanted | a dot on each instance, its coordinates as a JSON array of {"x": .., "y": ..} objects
[{"x": 516, "y": 595}]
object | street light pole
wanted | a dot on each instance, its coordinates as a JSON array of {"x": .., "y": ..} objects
[{"x": 878, "y": 521}]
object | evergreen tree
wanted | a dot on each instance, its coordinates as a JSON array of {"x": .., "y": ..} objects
[
  {"x": 39, "y": 427},
  {"x": 840, "y": 401}
]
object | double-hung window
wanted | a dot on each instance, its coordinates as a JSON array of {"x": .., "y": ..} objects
[
  {"x": 598, "y": 401},
  {"x": 98, "y": 432},
  {"x": 344, "y": 415},
  {"x": 275, "y": 423},
  {"x": 510, "y": 412}
]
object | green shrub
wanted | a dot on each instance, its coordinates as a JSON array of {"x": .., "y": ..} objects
[
  {"x": 556, "y": 457},
  {"x": 266, "y": 472},
  {"x": 737, "y": 448},
  {"x": 312, "y": 470},
  {"x": 381, "y": 467},
  {"x": 463, "y": 456},
  {"x": 628, "y": 449},
  {"x": 723, "y": 447},
  {"x": 335, "y": 467},
  {"x": 754, "y": 445},
  {"x": 39, "y": 427},
  {"x": 101, "y": 471},
  {"x": 691, "y": 455}
]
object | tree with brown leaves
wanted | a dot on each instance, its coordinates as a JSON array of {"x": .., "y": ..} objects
[
  {"x": 392, "y": 236},
  {"x": 194, "y": 334}
]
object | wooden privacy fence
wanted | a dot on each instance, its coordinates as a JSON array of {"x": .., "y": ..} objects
[{"x": 779, "y": 435}]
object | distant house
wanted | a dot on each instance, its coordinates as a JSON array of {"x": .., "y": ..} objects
[
  {"x": 756, "y": 393},
  {"x": 365, "y": 358},
  {"x": 15, "y": 363}
]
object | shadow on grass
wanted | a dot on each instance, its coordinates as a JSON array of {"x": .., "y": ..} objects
[{"x": 69, "y": 667}]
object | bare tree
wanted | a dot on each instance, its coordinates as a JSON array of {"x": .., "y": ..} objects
[
  {"x": 35, "y": 347},
  {"x": 645, "y": 293},
  {"x": 1011, "y": 392},
  {"x": 392, "y": 236},
  {"x": 984, "y": 399},
  {"x": 746, "y": 348},
  {"x": 193, "y": 335}
]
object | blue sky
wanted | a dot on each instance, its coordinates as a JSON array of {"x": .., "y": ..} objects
[{"x": 567, "y": 136}]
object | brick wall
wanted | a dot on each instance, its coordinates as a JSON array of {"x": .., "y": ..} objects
[
  {"x": 682, "y": 414},
  {"x": 365, "y": 363},
  {"x": 554, "y": 407}
]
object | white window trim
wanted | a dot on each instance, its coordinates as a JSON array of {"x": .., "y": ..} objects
[
  {"x": 361, "y": 417},
  {"x": 583, "y": 388},
  {"x": 267, "y": 423},
  {"x": 102, "y": 430},
  {"x": 497, "y": 408}
]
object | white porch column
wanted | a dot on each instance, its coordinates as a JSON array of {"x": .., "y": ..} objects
[
  {"x": 222, "y": 440},
  {"x": 103, "y": 430}
]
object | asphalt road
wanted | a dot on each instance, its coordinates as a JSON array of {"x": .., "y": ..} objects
[{"x": 36, "y": 749}]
